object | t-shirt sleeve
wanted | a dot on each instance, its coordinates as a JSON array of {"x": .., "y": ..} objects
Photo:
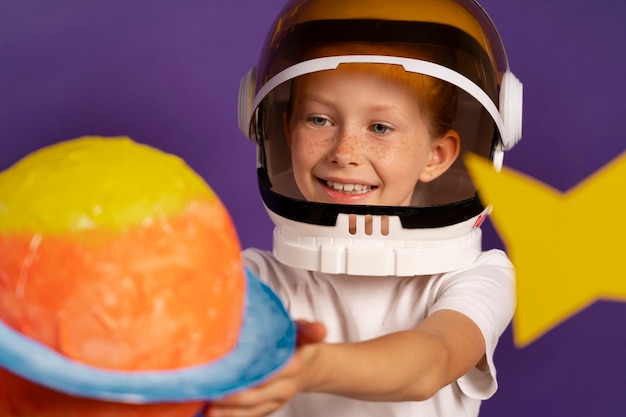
[{"x": 485, "y": 293}]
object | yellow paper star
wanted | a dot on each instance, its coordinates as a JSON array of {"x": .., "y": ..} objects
[{"x": 566, "y": 247}]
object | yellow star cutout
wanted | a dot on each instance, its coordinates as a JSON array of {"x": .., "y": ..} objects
[{"x": 567, "y": 248}]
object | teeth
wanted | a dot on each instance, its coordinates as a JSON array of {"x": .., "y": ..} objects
[{"x": 349, "y": 188}]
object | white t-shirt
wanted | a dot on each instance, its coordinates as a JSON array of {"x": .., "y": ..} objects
[{"x": 357, "y": 308}]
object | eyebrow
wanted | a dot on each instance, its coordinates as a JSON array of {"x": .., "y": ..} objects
[
  {"x": 312, "y": 95},
  {"x": 322, "y": 100}
]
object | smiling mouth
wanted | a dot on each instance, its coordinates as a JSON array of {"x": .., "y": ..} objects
[{"x": 348, "y": 188}]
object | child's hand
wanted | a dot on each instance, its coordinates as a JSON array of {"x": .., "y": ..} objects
[{"x": 272, "y": 394}]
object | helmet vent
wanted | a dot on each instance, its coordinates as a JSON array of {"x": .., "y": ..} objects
[{"x": 368, "y": 225}]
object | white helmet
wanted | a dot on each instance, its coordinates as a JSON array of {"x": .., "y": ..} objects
[{"x": 440, "y": 230}]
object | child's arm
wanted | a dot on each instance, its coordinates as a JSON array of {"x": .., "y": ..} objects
[{"x": 410, "y": 365}]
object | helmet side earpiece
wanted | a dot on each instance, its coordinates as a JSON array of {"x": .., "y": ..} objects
[
  {"x": 246, "y": 97},
  {"x": 511, "y": 100}
]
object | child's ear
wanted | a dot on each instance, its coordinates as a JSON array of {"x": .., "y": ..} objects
[{"x": 443, "y": 153}]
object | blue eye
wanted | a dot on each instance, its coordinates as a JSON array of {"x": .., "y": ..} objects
[
  {"x": 319, "y": 121},
  {"x": 380, "y": 129}
]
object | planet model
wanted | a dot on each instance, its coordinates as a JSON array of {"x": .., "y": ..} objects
[{"x": 120, "y": 257}]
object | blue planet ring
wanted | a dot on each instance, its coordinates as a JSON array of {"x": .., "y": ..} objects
[{"x": 266, "y": 342}]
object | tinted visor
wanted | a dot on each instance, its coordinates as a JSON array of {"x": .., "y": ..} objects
[{"x": 447, "y": 200}]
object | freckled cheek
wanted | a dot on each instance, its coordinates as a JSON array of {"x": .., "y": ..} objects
[
  {"x": 379, "y": 152},
  {"x": 399, "y": 161},
  {"x": 308, "y": 149}
]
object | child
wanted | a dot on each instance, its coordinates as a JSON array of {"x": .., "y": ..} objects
[{"x": 360, "y": 109}]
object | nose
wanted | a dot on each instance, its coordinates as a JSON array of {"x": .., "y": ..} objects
[{"x": 346, "y": 150}]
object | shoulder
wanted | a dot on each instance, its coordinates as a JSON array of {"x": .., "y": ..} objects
[
  {"x": 256, "y": 259},
  {"x": 265, "y": 265},
  {"x": 280, "y": 277},
  {"x": 494, "y": 258},
  {"x": 489, "y": 281},
  {"x": 491, "y": 270}
]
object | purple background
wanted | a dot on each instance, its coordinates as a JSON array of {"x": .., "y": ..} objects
[{"x": 167, "y": 73}]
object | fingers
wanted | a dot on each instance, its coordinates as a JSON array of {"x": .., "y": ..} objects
[
  {"x": 257, "y": 410},
  {"x": 247, "y": 404},
  {"x": 269, "y": 396},
  {"x": 310, "y": 332},
  {"x": 261, "y": 400}
]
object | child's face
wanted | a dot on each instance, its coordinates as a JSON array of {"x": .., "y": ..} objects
[{"x": 358, "y": 137}]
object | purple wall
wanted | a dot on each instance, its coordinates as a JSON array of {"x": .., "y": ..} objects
[{"x": 167, "y": 73}]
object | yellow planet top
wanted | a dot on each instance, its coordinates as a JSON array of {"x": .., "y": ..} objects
[{"x": 93, "y": 182}]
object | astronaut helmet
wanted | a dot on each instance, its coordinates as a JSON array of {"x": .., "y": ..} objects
[{"x": 449, "y": 43}]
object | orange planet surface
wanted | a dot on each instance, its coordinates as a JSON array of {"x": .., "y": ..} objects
[
  {"x": 22, "y": 398},
  {"x": 118, "y": 256}
]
